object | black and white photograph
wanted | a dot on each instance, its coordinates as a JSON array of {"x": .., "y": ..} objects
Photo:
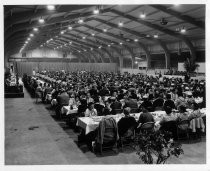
[{"x": 105, "y": 84}]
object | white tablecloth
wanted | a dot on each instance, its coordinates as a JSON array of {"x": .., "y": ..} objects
[
  {"x": 65, "y": 110},
  {"x": 91, "y": 123}
]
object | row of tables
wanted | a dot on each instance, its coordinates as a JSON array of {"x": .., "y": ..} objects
[{"x": 91, "y": 123}]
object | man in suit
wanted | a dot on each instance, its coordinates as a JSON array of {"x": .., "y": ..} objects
[
  {"x": 115, "y": 105},
  {"x": 126, "y": 122},
  {"x": 131, "y": 103},
  {"x": 98, "y": 106},
  {"x": 62, "y": 100}
]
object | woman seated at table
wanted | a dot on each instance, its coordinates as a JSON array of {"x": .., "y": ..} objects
[
  {"x": 196, "y": 111},
  {"x": 183, "y": 114},
  {"x": 90, "y": 111},
  {"x": 146, "y": 116},
  {"x": 180, "y": 101},
  {"x": 169, "y": 115},
  {"x": 72, "y": 100},
  {"x": 168, "y": 123}
]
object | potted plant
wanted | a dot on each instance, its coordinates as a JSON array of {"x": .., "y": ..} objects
[
  {"x": 157, "y": 147},
  {"x": 190, "y": 66}
]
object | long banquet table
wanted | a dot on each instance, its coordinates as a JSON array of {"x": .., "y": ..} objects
[{"x": 91, "y": 123}]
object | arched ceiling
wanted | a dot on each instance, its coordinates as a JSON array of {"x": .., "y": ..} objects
[{"x": 20, "y": 20}]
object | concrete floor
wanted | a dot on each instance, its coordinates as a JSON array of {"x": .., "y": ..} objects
[{"x": 34, "y": 137}]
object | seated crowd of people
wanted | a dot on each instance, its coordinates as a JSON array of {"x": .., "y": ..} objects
[{"x": 106, "y": 93}]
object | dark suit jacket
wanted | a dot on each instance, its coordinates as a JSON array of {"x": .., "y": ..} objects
[
  {"x": 125, "y": 123},
  {"x": 63, "y": 99},
  {"x": 131, "y": 103},
  {"x": 99, "y": 108}
]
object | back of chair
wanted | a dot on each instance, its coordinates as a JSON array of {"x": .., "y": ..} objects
[
  {"x": 107, "y": 131},
  {"x": 183, "y": 124},
  {"x": 148, "y": 126}
]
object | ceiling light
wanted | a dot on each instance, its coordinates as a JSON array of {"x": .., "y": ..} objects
[
  {"x": 183, "y": 30},
  {"x": 121, "y": 43},
  {"x": 112, "y": 43},
  {"x": 26, "y": 42},
  {"x": 41, "y": 46},
  {"x": 85, "y": 50},
  {"x": 99, "y": 47},
  {"x": 41, "y": 20},
  {"x": 31, "y": 35},
  {"x": 156, "y": 36},
  {"x": 61, "y": 46},
  {"x": 136, "y": 62},
  {"x": 80, "y": 21},
  {"x": 70, "y": 43},
  {"x": 29, "y": 38},
  {"x": 93, "y": 34},
  {"x": 105, "y": 30},
  {"x": 147, "y": 35},
  {"x": 70, "y": 28},
  {"x": 109, "y": 45},
  {"x": 96, "y": 11},
  {"x": 62, "y": 32},
  {"x": 120, "y": 24},
  {"x": 79, "y": 51},
  {"x": 142, "y": 15},
  {"x": 51, "y": 39},
  {"x": 127, "y": 40},
  {"x": 35, "y": 29},
  {"x": 84, "y": 37},
  {"x": 136, "y": 40},
  {"x": 91, "y": 48},
  {"x": 50, "y": 7}
]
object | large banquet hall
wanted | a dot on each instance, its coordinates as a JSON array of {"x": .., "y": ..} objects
[{"x": 104, "y": 84}]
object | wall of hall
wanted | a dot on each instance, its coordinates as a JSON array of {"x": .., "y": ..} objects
[
  {"x": 27, "y": 67},
  {"x": 178, "y": 53},
  {"x": 43, "y": 52}
]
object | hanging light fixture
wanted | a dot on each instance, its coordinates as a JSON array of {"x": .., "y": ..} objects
[
  {"x": 156, "y": 35},
  {"x": 93, "y": 34},
  {"x": 70, "y": 28},
  {"x": 29, "y": 38},
  {"x": 83, "y": 37},
  {"x": 96, "y": 11},
  {"x": 80, "y": 21},
  {"x": 136, "y": 40},
  {"x": 35, "y": 29},
  {"x": 142, "y": 15},
  {"x": 183, "y": 30},
  {"x": 109, "y": 45},
  {"x": 50, "y": 7},
  {"x": 31, "y": 35},
  {"x": 41, "y": 20},
  {"x": 105, "y": 30},
  {"x": 120, "y": 24},
  {"x": 121, "y": 43},
  {"x": 62, "y": 32}
]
